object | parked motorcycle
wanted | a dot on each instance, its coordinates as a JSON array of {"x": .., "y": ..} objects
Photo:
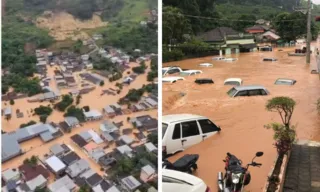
[
  {"x": 187, "y": 163},
  {"x": 236, "y": 176}
]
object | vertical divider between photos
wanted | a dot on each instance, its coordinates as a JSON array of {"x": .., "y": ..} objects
[{"x": 159, "y": 95}]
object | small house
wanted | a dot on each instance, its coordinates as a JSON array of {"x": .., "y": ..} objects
[
  {"x": 151, "y": 102},
  {"x": 92, "y": 115},
  {"x": 77, "y": 168},
  {"x": 126, "y": 139},
  {"x": 148, "y": 173},
  {"x": 117, "y": 108},
  {"x": 137, "y": 107},
  {"x": 8, "y": 112},
  {"x": 70, "y": 158},
  {"x": 71, "y": 121},
  {"x": 130, "y": 183},
  {"x": 150, "y": 147},
  {"x": 109, "y": 111},
  {"x": 59, "y": 150},
  {"x": 78, "y": 140},
  {"x": 55, "y": 165},
  {"x": 62, "y": 184},
  {"x": 10, "y": 175},
  {"x": 125, "y": 150},
  {"x": 145, "y": 123},
  {"x": 86, "y": 136},
  {"x": 109, "y": 127},
  {"x": 107, "y": 137}
]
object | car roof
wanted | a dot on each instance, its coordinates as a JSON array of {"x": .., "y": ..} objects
[
  {"x": 233, "y": 79},
  {"x": 166, "y": 68},
  {"x": 193, "y": 180},
  {"x": 192, "y": 70},
  {"x": 285, "y": 79},
  {"x": 205, "y": 64},
  {"x": 172, "y": 78},
  {"x": 249, "y": 87},
  {"x": 180, "y": 117}
]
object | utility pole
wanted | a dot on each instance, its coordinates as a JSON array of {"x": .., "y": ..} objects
[{"x": 309, "y": 32}]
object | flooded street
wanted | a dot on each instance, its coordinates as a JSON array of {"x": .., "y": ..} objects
[{"x": 242, "y": 119}]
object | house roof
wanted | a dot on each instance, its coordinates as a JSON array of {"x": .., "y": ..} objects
[
  {"x": 70, "y": 158},
  {"x": 151, "y": 101},
  {"x": 107, "y": 126},
  {"x": 10, "y": 147},
  {"x": 124, "y": 149},
  {"x": 79, "y": 140},
  {"x": 95, "y": 137},
  {"x": 108, "y": 109},
  {"x": 7, "y": 111},
  {"x": 55, "y": 163},
  {"x": 126, "y": 139},
  {"x": 270, "y": 34},
  {"x": 147, "y": 122},
  {"x": 97, "y": 153},
  {"x": 150, "y": 147},
  {"x": 62, "y": 184},
  {"x": 77, "y": 168},
  {"x": 71, "y": 120},
  {"x": 94, "y": 180},
  {"x": 116, "y": 105},
  {"x": 258, "y": 27},
  {"x": 92, "y": 113},
  {"x": 36, "y": 182},
  {"x": 10, "y": 174},
  {"x": 131, "y": 182},
  {"x": 113, "y": 189},
  {"x": 218, "y": 34},
  {"x": 30, "y": 172},
  {"x": 107, "y": 136},
  {"x": 87, "y": 174},
  {"x": 148, "y": 169},
  {"x": 90, "y": 146},
  {"x": 85, "y": 135}
]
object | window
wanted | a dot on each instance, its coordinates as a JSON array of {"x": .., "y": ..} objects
[
  {"x": 172, "y": 71},
  {"x": 231, "y": 92},
  {"x": 207, "y": 126},
  {"x": 164, "y": 129},
  {"x": 176, "y": 132},
  {"x": 242, "y": 93},
  {"x": 263, "y": 92},
  {"x": 190, "y": 129},
  {"x": 254, "y": 92}
]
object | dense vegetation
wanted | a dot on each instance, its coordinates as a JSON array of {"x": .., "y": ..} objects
[
  {"x": 75, "y": 112},
  {"x": 27, "y": 124},
  {"x": 66, "y": 101},
  {"x": 154, "y": 69},
  {"x": 43, "y": 110},
  {"x": 140, "y": 69},
  {"x": 134, "y": 95},
  {"x": 21, "y": 84}
]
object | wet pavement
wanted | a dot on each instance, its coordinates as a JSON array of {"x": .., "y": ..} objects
[{"x": 242, "y": 119}]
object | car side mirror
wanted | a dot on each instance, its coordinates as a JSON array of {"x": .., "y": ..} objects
[{"x": 259, "y": 154}]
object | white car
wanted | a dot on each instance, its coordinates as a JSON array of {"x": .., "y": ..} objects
[
  {"x": 174, "y": 181},
  {"x": 172, "y": 79},
  {"x": 170, "y": 70},
  {"x": 230, "y": 59},
  {"x": 205, "y": 65},
  {"x": 218, "y": 58},
  {"x": 181, "y": 131},
  {"x": 190, "y": 72},
  {"x": 233, "y": 81}
]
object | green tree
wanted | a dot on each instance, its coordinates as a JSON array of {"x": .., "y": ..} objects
[
  {"x": 66, "y": 101},
  {"x": 43, "y": 110},
  {"x": 244, "y": 22},
  {"x": 11, "y": 102},
  {"x": 101, "y": 83},
  {"x": 27, "y": 124},
  {"x": 43, "y": 118},
  {"x": 84, "y": 188},
  {"x": 78, "y": 99},
  {"x": 124, "y": 166},
  {"x": 174, "y": 25},
  {"x": 75, "y": 112},
  {"x": 77, "y": 46},
  {"x": 153, "y": 138},
  {"x": 284, "y": 133}
]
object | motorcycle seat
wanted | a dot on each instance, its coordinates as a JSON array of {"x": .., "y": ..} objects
[{"x": 186, "y": 160}]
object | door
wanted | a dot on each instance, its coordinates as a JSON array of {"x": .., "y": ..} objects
[
  {"x": 190, "y": 134},
  {"x": 208, "y": 128},
  {"x": 174, "y": 143}
]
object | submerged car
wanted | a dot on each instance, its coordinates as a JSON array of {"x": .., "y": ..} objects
[
  {"x": 233, "y": 81},
  {"x": 174, "y": 181},
  {"x": 270, "y": 59},
  {"x": 283, "y": 81},
  {"x": 172, "y": 79},
  {"x": 249, "y": 90},
  {"x": 204, "y": 81},
  {"x": 205, "y": 65},
  {"x": 230, "y": 59},
  {"x": 190, "y": 72},
  {"x": 170, "y": 70},
  {"x": 218, "y": 58},
  {"x": 181, "y": 131}
]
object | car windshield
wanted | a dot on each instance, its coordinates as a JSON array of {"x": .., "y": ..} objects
[
  {"x": 283, "y": 82},
  {"x": 163, "y": 71},
  {"x": 184, "y": 73},
  {"x": 231, "y": 92},
  {"x": 236, "y": 83},
  {"x": 164, "y": 129}
]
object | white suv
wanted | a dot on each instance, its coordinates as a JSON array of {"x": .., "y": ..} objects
[
  {"x": 170, "y": 70},
  {"x": 173, "y": 181},
  {"x": 181, "y": 131}
]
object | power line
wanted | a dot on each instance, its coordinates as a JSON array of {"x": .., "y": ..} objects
[{"x": 218, "y": 19}]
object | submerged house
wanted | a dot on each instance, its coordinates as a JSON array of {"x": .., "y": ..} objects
[{"x": 229, "y": 41}]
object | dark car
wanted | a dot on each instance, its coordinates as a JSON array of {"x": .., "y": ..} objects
[{"x": 204, "y": 81}]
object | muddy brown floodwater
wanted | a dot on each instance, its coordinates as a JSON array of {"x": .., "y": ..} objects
[{"x": 242, "y": 119}]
